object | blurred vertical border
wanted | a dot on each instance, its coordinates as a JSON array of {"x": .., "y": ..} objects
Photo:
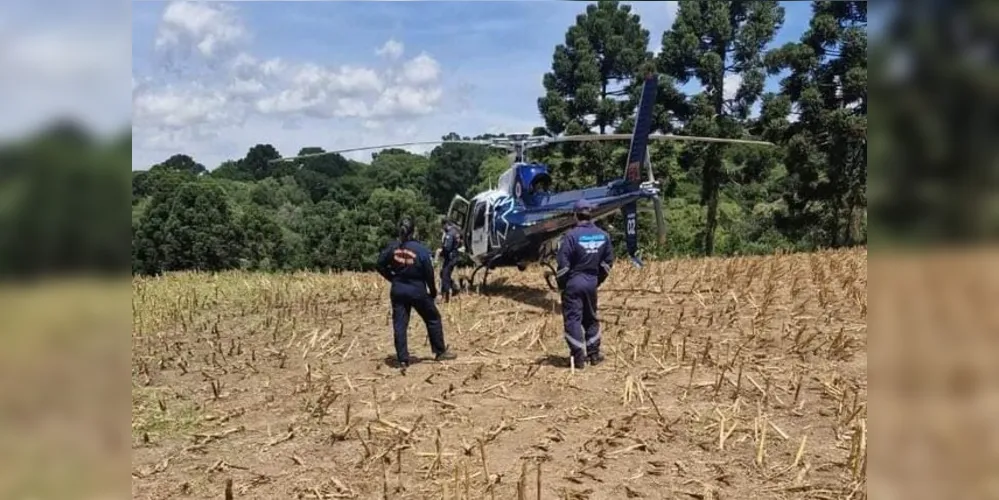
[
  {"x": 65, "y": 150},
  {"x": 934, "y": 160}
]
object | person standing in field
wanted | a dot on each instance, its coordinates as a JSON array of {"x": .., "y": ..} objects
[
  {"x": 585, "y": 257},
  {"x": 450, "y": 242},
  {"x": 406, "y": 264}
]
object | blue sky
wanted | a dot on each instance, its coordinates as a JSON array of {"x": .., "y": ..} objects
[{"x": 212, "y": 80}]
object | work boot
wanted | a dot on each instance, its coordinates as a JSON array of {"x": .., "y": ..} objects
[
  {"x": 579, "y": 361},
  {"x": 596, "y": 358},
  {"x": 445, "y": 356}
]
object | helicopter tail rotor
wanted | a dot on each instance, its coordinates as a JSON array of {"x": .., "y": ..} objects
[
  {"x": 657, "y": 201},
  {"x": 657, "y": 204}
]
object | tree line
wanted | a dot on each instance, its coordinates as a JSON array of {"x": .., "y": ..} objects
[{"x": 808, "y": 192}]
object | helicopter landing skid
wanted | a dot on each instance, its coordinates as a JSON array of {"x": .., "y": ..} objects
[
  {"x": 469, "y": 283},
  {"x": 550, "y": 276},
  {"x": 482, "y": 283}
]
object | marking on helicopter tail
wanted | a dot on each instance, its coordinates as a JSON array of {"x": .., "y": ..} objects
[{"x": 632, "y": 171}]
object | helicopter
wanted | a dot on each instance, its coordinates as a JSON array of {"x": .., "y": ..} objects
[{"x": 520, "y": 221}]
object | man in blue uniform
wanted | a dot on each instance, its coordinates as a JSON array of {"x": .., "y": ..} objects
[
  {"x": 406, "y": 264},
  {"x": 450, "y": 243},
  {"x": 584, "y": 258}
]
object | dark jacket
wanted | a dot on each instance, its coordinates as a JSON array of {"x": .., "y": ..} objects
[
  {"x": 585, "y": 256},
  {"x": 407, "y": 265},
  {"x": 450, "y": 243}
]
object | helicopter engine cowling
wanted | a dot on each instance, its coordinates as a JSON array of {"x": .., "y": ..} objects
[{"x": 532, "y": 179}]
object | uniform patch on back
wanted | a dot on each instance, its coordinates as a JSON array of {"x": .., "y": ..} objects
[
  {"x": 404, "y": 256},
  {"x": 592, "y": 242}
]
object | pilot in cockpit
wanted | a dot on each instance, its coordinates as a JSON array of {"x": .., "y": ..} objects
[{"x": 538, "y": 190}]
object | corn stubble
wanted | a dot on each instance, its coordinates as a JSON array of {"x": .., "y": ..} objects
[{"x": 724, "y": 378}]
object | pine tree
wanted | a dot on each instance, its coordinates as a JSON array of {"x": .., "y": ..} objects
[
  {"x": 713, "y": 41},
  {"x": 826, "y": 143}
]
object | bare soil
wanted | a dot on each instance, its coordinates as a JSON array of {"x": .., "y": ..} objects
[{"x": 724, "y": 378}]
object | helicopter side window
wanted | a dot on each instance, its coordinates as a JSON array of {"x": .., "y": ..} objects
[
  {"x": 480, "y": 216},
  {"x": 540, "y": 185}
]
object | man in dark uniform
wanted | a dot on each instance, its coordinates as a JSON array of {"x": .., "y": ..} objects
[
  {"x": 450, "y": 243},
  {"x": 584, "y": 258},
  {"x": 406, "y": 264}
]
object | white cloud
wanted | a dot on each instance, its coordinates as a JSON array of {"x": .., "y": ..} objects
[
  {"x": 245, "y": 87},
  {"x": 421, "y": 70},
  {"x": 730, "y": 85},
  {"x": 406, "y": 101},
  {"x": 242, "y": 99},
  {"x": 210, "y": 30},
  {"x": 392, "y": 49},
  {"x": 180, "y": 107},
  {"x": 793, "y": 115}
]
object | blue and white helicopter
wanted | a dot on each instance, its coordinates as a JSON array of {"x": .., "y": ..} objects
[{"x": 520, "y": 221}]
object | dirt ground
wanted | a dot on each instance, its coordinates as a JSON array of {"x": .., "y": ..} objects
[{"x": 725, "y": 378}]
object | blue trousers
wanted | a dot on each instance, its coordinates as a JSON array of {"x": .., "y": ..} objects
[
  {"x": 446, "y": 269},
  {"x": 579, "y": 313},
  {"x": 404, "y": 301}
]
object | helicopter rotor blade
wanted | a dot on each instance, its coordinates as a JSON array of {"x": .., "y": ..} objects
[
  {"x": 657, "y": 209},
  {"x": 382, "y": 146},
  {"x": 657, "y": 137}
]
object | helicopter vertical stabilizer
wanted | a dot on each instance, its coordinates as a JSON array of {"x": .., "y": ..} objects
[
  {"x": 636, "y": 157},
  {"x": 643, "y": 127}
]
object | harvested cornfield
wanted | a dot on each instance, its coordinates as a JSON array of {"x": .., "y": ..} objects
[{"x": 725, "y": 378}]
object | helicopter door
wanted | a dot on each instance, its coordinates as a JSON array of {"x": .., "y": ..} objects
[
  {"x": 480, "y": 228},
  {"x": 458, "y": 212}
]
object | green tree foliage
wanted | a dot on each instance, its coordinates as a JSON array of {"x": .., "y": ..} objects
[
  {"x": 59, "y": 193},
  {"x": 231, "y": 170},
  {"x": 490, "y": 171},
  {"x": 257, "y": 161},
  {"x": 712, "y": 40},
  {"x": 318, "y": 212},
  {"x": 264, "y": 247},
  {"x": 386, "y": 207},
  {"x": 181, "y": 163},
  {"x": 825, "y": 191},
  {"x": 934, "y": 143},
  {"x": 396, "y": 168},
  {"x": 194, "y": 229},
  {"x": 148, "y": 237},
  {"x": 453, "y": 169}
]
